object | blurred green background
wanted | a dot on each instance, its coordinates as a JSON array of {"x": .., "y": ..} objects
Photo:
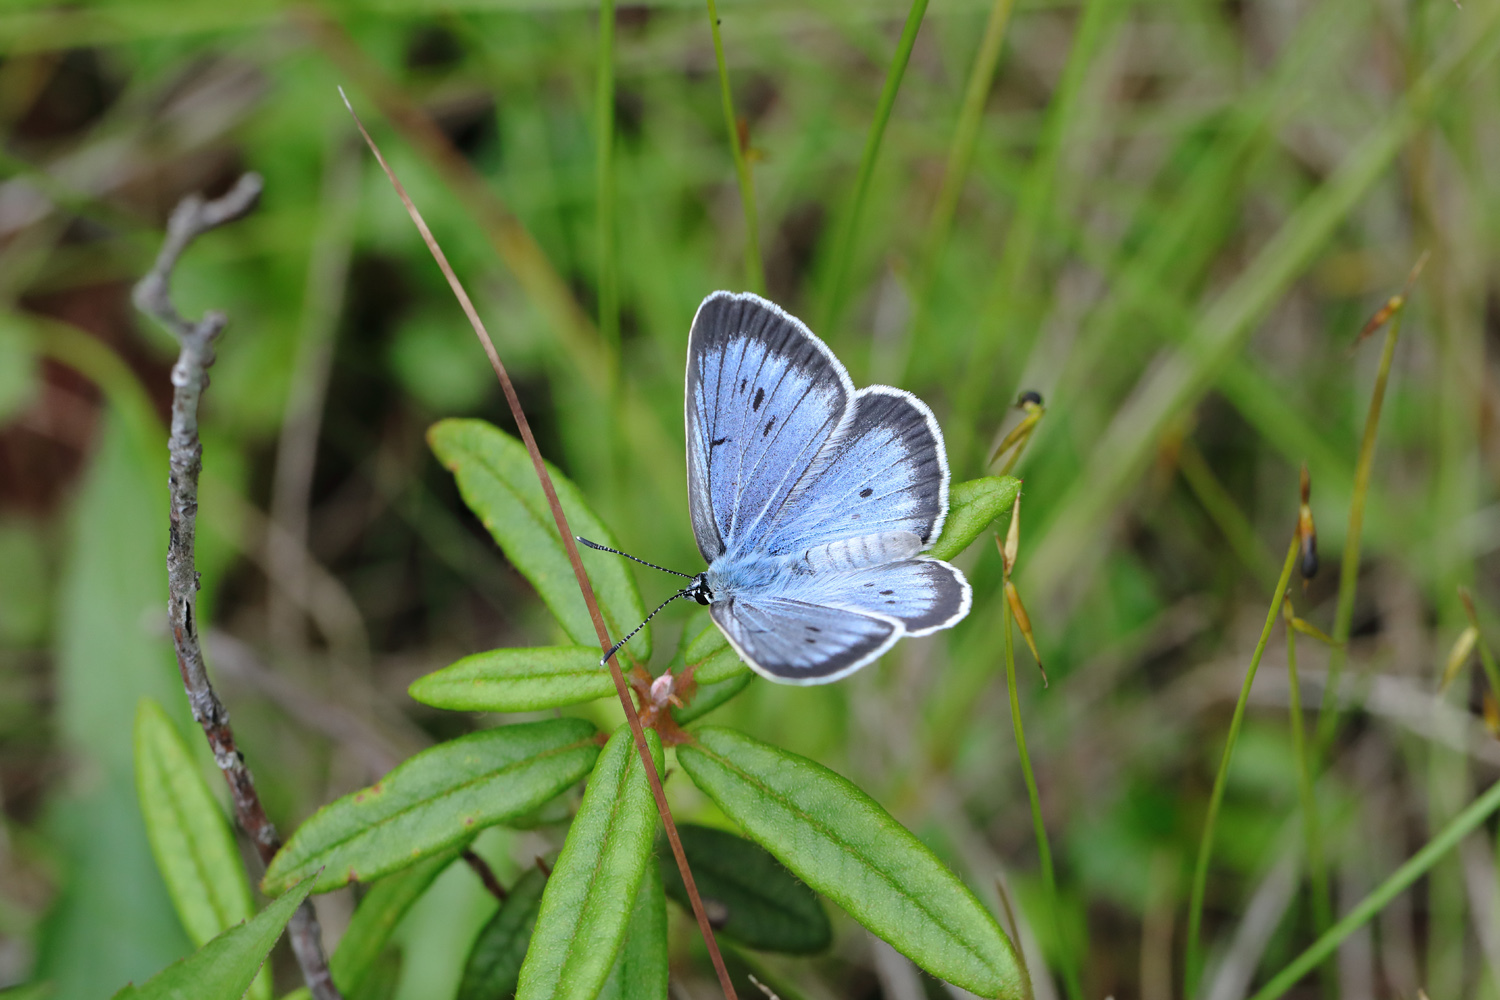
[{"x": 1170, "y": 217}]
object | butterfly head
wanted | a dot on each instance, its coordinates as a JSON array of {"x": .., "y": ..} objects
[{"x": 698, "y": 589}]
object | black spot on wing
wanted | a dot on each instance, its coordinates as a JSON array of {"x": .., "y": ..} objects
[
  {"x": 866, "y": 492},
  {"x": 769, "y": 424},
  {"x": 717, "y": 441},
  {"x": 760, "y": 397}
]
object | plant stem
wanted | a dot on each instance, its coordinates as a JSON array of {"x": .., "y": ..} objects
[
  {"x": 192, "y": 218},
  {"x": 1343, "y": 615},
  {"x": 843, "y": 250},
  {"x": 585, "y": 586},
  {"x": 754, "y": 273},
  {"x": 1043, "y": 850},
  {"x": 1206, "y": 846},
  {"x": 1446, "y": 839},
  {"x": 1317, "y": 872},
  {"x": 604, "y": 99}
]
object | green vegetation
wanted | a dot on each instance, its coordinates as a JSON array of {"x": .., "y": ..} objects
[{"x": 1174, "y": 220}]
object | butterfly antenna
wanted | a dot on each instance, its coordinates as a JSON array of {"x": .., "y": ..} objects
[
  {"x": 616, "y": 647},
  {"x": 627, "y": 555}
]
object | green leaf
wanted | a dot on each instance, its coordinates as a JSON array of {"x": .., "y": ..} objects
[
  {"x": 18, "y": 366},
  {"x": 710, "y": 696},
  {"x": 435, "y": 800},
  {"x": 640, "y": 970},
  {"x": 499, "y": 483},
  {"x": 376, "y": 917},
  {"x": 587, "y": 904},
  {"x": 749, "y": 895},
  {"x": 224, "y": 968},
  {"x": 971, "y": 508},
  {"x": 712, "y": 658},
  {"x": 843, "y": 844},
  {"x": 189, "y": 834},
  {"x": 517, "y": 680},
  {"x": 494, "y": 964}
]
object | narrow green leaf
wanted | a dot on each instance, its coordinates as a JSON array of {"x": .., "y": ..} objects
[
  {"x": 435, "y": 800},
  {"x": 224, "y": 968},
  {"x": 377, "y": 916},
  {"x": 499, "y": 483},
  {"x": 750, "y": 896},
  {"x": 971, "y": 507},
  {"x": 843, "y": 844},
  {"x": 494, "y": 964},
  {"x": 517, "y": 680},
  {"x": 587, "y": 902},
  {"x": 712, "y": 658},
  {"x": 189, "y": 833},
  {"x": 640, "y": 971}
]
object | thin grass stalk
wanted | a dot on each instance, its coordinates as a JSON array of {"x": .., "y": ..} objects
[
  {"x": 755, "y": 275},
  {"x": 1317, "y": 869},
  {"x": 960, "y": 156},
  {"x": 1216, "y": 798},
  {"x": 843, "y": 250},
  {"x": 1398, "y": 882},
  {"x": 1043, "y": 849},
  {"x": 1343, "y": 615},
  {"x": 609, "y": 292},
  {"x": 585, "y": 586}
]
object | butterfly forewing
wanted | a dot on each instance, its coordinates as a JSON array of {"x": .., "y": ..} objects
[
  {"x": 886, "y": 472},
  {"x": 763, "y": 397}
]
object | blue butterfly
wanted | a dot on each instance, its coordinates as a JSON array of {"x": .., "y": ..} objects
[{"x": 811, "y": 502}]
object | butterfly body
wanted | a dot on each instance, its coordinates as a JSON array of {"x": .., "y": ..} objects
[{"x": 811, "y": 502}]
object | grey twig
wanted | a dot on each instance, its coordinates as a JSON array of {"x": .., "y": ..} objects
[{"x": 192, "y": 218}]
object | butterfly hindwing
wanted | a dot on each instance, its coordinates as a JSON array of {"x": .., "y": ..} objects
[
  {"x": 923, "y": 594},
  {"x": 763, "y": 398},
  {"x": 886, "y": 471},
  {"x": 797, "y": 643}
]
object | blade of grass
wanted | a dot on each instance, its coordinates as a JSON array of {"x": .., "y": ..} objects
[
  {"x": 960, "y": 156},
  {"x": 1033, "y": 207},
  {"x": 1043, "y": 849},
  {"x": 1317, "y": 872},
  {"x": 604, "y": 99},
  {"x": 1227, "y": 322},
  {"x": 1398, "y": 882},
  {"x": 632, "y": 717},
  {"x": 1343, "y": 615},
  {"x": 843, "y": 249},
  {"x": 1194, "y": 955},
  {"x": 754, "y": 273}
]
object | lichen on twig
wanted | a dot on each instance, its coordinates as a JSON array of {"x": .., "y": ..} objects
[{"x": 193, "y": 217}]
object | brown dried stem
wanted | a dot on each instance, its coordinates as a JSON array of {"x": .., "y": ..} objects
[
  {"x": 569, "y": 542},
  {"x": 192, "y": 218}
]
